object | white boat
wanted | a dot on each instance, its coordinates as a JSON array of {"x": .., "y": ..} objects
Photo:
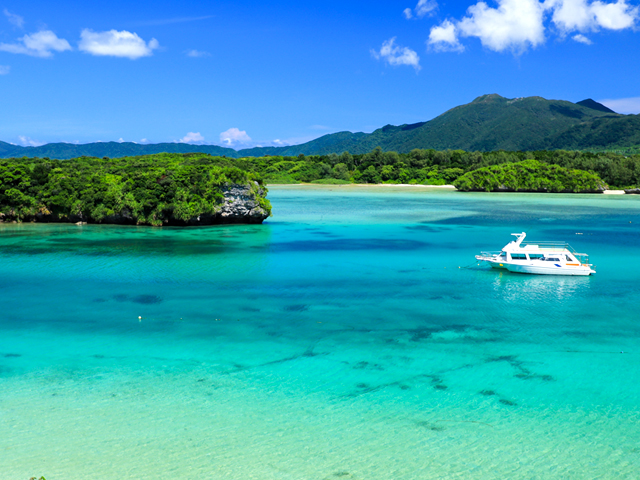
[{"x": 541, "y": 258}]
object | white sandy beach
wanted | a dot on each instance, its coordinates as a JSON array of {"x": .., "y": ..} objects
[{"x": 370, "y": 185}]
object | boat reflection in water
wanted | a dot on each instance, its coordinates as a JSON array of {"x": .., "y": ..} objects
[{"x": 538, "y": 288}]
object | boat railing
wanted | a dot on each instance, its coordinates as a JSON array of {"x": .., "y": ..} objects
[
  {"x": 560, "y": 246},
  {"x": 582, "y": 258},
  {"x": 490, "y": 254},
  {"x": 550, "y": 246}
]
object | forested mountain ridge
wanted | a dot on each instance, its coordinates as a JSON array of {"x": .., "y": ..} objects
[
  {"x": 64, "y": 151},
  {"x": 488, "y": 123}
]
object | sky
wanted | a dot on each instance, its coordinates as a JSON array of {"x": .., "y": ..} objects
[{"x": 242, "y": 74}]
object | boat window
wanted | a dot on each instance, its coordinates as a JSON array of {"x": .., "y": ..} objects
[
  {"x": 536, "y": 256},
  {"x": 553, "y": 259},
  {"x": 503, "y": 254},
  {"x": 518, "y": 256},
  {"x": 568, "y": 258}
]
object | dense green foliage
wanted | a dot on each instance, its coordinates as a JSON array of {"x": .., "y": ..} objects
[
  {"x": 157, "y": 188},
  {"x": 530, "y": 176},
  {"x": 489, "y": 123},
  {"x": 141, "y": 190},
  {"x": 430, "y": 167}
]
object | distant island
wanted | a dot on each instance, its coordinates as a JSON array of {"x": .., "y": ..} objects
[
  {"x": 164, "y": 189},
  {"x": 488, "y": 123}
]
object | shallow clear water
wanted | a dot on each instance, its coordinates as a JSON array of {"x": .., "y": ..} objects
[{"x": 351, "y": 336}]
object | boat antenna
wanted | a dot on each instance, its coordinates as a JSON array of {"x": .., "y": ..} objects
[{"x": 520, "y": 238}]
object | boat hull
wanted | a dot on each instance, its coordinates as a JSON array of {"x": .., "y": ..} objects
[
  {"x": 553, "y": 269},
  {"x": 491, "y": 260}
]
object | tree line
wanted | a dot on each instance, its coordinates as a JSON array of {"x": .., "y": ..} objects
[
  {"x": 151, "y": 189},
  {"x": 432, "y": 167}
]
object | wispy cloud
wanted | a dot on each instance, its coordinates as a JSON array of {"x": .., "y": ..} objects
[
  {"x": 422, "y": 9},
  {"x": 517, "y": 25},
  {"x": 28, "y": 142},
  {"x": 197, "y": 53},
  {"x": 425, "y": 7},
  {"x": 39, "y": 44},
  {"x": 14, "y": 19},
  {"x": 623, "y": 105},
  {"x": 192, "y": 137},
  {"x": 234, "y": 136},
  {"x": 114, "y": 43},
  {"x": 396, "y": 55},
  {"x": 5, "y": 69},
  {"x": 582, "y": 39}
]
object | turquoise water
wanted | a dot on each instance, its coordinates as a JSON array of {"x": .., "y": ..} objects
[{"x": 349, "y": 337}]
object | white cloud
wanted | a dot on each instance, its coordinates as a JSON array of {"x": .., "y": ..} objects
[
  {"x": 28, "y": 142},
  {"x": 615, "y": 16},
  {"x": 144, "y": 140},
  {"x": 582, "y": 15},
  {"x": 234, "y": 136},
  {"x": 408, "y": 13},
  {"x": 116, "y": 44},
  {"x": 39, "y": 44},
  {"x": 197, "y": 53},
  {"x": 569, "y": 15},
  {"x": 396, "y": 55},
  {"x": 515, "y": 24},
  {"x": 582, "y": 39},
  {"x": 14, "y": 19},
  {"x": 121, "y": 140},
  {"x": 623, "y": 105},
  {"x": 5, "y": 69},
  {"x": 444, "y": 38},
  {"x": 192, "y": 137},
  {"x": 425, "y": 7}
]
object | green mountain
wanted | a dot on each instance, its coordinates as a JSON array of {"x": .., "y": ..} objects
[
  {"x": 490, "y": 122},
  {"x": 108, "y": 149},
  {"x": 589, "y": 103}
]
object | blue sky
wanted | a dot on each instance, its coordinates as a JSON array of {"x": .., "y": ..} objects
[{"x": 283, "y": 72}]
